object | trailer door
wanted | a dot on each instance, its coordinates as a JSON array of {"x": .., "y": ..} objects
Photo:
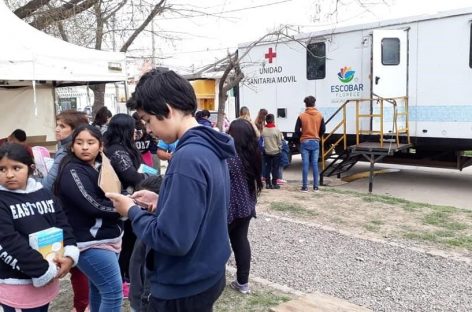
[{"x": 389, "y": 63}]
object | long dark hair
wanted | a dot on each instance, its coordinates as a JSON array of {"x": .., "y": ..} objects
[
  {"x": 121, "y": 131},
  {"x": 260, "y": 119},
  {"x": 101, "y": 117},
  {"x": 19, "y": 153},
  {"x": 95, "y": 132},
  {"x": 245, "y": 141}
]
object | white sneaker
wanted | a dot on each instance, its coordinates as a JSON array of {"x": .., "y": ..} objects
[{"x": 244, "y": 288}]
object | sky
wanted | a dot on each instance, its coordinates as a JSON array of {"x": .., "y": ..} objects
[{"x": 206, "y": 38}]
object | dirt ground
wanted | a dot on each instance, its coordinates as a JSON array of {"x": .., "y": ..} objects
[{"x": 441, "y": 230}]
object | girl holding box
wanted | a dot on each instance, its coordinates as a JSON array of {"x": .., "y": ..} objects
[{"x": 28, "y": 282}]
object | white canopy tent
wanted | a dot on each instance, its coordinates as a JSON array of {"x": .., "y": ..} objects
[{"x": 32, "y": 63}]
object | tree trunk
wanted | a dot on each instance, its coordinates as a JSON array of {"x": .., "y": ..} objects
[{"x": 98, "y": 97}]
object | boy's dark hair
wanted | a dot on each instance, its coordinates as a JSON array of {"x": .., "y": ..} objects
[
  {"x": 270, "y": 118},
  {"x": 309, "y": 101},
  {"x": 205, "y": 113},
  {"x": 19, "y": 153},
  {"x": 19, "y": 134},
  {"x": 160, "y": 87},
  {"x": 152, "y": 183}
]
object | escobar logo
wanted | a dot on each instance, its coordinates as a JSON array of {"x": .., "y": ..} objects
[
  {"x": 347, "y": 89},
  {"x": 345, "y": 75}
]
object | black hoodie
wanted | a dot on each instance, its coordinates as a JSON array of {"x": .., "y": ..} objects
[{"x": 23, "y": 212}]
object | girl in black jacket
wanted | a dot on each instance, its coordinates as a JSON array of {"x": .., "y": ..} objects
[
  {"x": 125, "y": 159},
  {"x": 96, "y": 225}
]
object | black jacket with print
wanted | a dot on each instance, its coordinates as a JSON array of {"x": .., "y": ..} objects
[
  {"x": 91, "y": 215},
  {"x": 23, "y": 212},
  {"x": 125, "y": 165}
]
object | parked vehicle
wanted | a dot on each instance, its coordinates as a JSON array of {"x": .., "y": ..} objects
[{"x": 426, "y": 60}]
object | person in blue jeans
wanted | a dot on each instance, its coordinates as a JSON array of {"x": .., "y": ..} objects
[
  {"x": 309, "y": 128},
  {"x": 97, "y": 226}
]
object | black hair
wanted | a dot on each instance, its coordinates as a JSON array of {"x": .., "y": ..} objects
[
  {"x": 270, "y": 118},
  {"x": 19, "y": 134},
  {"x": 101, "y": 117},
  {"x": 205, "y": 113},
  {"x": 19, "y": 153},
  {"x": 138, "y": 122},
  {"x": 158, "y": 88},
  {"x": 152, "y": 183},
  {"x": 95, "y": 132},
  {"x": 245, "y": 142},
  {"x": 121, "y": 131},
  {"x": 310, "y": 101},
  {"x": 198, "y": 115}
]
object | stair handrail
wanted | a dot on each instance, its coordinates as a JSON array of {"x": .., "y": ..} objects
[
  {"x": 343, "y": 137},
  {"x": 325, "y": 136}
]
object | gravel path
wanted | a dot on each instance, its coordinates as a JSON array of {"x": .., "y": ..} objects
[{"x": 376, "y": 275}]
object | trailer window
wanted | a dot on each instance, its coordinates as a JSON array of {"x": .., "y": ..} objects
[
  {"x": 470, "y": 47},
  {"x": 390, "y": 51},
  {"x": 316, "y": 61}
]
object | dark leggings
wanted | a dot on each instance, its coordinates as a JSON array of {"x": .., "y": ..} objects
[
  {"x": 127, "y": 247},
  {"x": 241, "y": 248}
]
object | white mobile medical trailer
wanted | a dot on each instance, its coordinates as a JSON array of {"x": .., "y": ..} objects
[{"x": 426, "y": 59}]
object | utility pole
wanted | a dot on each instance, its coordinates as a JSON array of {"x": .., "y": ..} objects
[
  {"x": 117, "y": 86},
  {"x": 153, "y": 45}
]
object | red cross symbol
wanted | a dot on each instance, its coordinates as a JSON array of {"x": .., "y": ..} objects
[{"x": 270, "y": 55}]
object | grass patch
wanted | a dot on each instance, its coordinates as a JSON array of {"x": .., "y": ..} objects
[
  {"x": 338, "y": 220},
  {"x": 424, "y": 236},
  {"x": 376, "y": 222},
  {"x": 442, "y": 219},
  {"x": 436, "y": 218},
  {"x": 406, "y": 204},
  {"x": 462, "y": 241},
  {"x": 260, "y": 299},
  {"x": 445, "y": 238},
  {"x": 292, "y": 208},
  {"x": 371, "y": 227}
]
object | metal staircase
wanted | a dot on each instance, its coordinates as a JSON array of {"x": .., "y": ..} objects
[{"x": 372, "y": 117}]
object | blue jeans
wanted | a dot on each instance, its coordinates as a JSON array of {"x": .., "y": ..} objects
[
  {"x": 103, "y": 271},
  {"x": 310, "y": 152}
]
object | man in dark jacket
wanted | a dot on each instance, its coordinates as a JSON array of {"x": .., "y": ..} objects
[
  {"x": 187, "y": 234},
  {"x": 309, "y": 128}
]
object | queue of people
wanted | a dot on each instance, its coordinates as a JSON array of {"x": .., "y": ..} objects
[{"x": 162, "y": 241}]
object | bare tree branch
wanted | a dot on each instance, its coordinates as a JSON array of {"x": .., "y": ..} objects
[
  {"x": 158, "y": 8},
  {"x": 29, "y": 8},
  {"x": 62, "y": 13}
]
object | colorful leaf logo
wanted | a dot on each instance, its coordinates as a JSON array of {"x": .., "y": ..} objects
[{"x": 345, "y": 74}]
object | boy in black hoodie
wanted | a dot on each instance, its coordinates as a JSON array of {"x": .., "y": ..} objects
[{"x": 187, "y": 234}]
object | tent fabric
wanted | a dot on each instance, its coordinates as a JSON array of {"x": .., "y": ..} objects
[
  {"x": 30, "y": 54},
  {"x": 19, "y": 111}
]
